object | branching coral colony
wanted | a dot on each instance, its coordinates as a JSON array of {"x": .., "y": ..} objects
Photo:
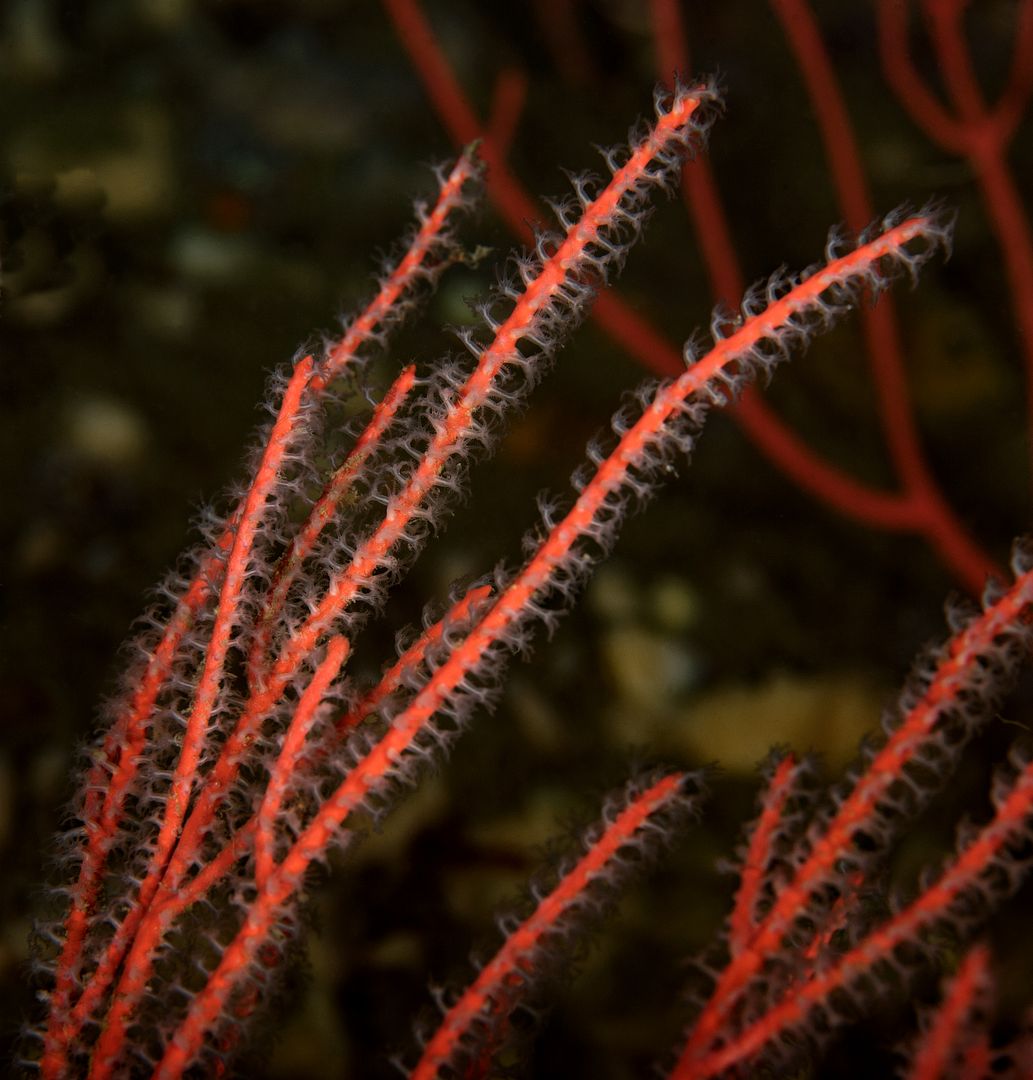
[{"x": 239, "y": 755}]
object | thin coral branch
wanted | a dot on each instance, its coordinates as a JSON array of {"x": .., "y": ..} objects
[
  {"x": 647, "y": 809},
  {"x": 433, "y": 645},
  {"x": 754, "y": 880},
  {"x": 954, "y": 1032},
  {"x": 323, "y": 513},
  {"x": 291, "y": 750}
]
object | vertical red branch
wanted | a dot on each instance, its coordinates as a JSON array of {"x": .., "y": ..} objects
[
  {"x": 323, "y": 513},
  {"x": 292, "y": 749},
  {"x": 979, "y": 132}
]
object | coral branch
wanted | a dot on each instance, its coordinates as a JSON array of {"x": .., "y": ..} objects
[
  {"x": 951, "y": 1034},
  {"x": 643, "y": 812},
  {"x": 754, "y": 880}
]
